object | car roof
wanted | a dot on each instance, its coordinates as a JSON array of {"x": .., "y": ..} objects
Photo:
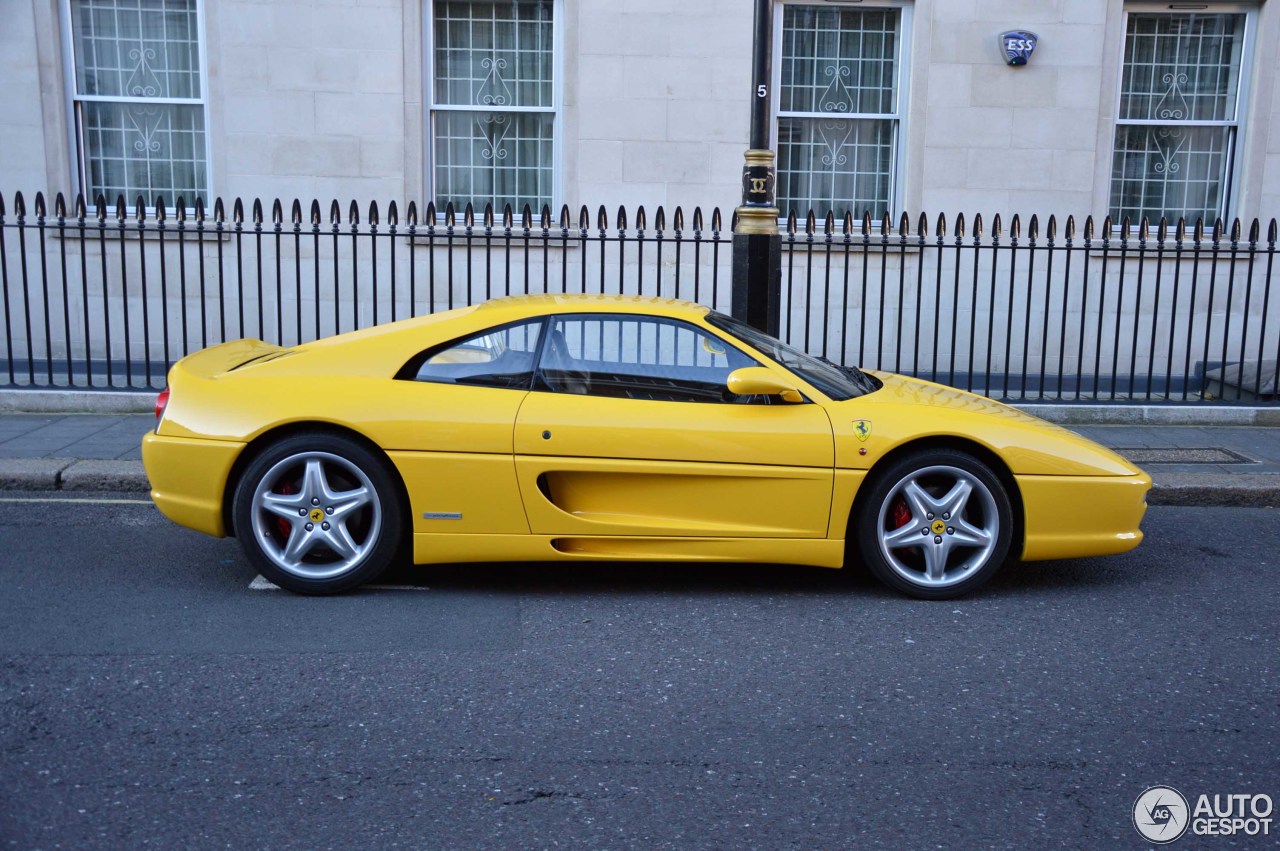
[
  {"x": 502, "y": 311},
  {"x": 530, "y": 305}
]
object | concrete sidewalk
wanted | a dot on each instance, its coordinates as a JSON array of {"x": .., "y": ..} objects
[
  {"x": 1191, "y": 464},
  {"x": 75, "y": 452}
]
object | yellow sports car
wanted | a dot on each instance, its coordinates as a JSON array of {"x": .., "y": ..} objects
[{"x": 608, "y": 428}]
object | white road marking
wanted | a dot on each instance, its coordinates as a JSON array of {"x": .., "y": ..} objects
[
  {"x": 261, "y": 583},
  {"x": 77, "y": 499}
]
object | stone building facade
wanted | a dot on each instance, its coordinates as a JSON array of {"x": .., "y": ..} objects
[{"x": 881, "y": 106}]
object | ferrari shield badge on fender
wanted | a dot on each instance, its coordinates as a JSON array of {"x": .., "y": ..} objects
[{"x": 862, "y": 428}]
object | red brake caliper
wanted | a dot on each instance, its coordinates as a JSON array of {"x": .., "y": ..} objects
[
  {"x": 899, "y": 514},
  {"x": 284, "y": 488}
]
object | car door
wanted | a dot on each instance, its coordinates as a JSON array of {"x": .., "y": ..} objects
[
  {"x": 630, "y": 431},
  {"x": 452, "y": 439}
]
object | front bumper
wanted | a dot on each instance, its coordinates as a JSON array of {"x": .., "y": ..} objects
[
  {"x": 1078, "y": 516},
  {"x": 188, "y": 479}
]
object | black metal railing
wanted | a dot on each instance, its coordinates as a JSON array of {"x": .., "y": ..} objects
[
  {"x": 110, "y": 297},
  {"x": 1127, "y": 313}
]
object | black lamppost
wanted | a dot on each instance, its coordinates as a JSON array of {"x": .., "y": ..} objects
[{"x": 757, "y": 247}]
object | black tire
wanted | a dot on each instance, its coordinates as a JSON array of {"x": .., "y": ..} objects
[
  {"x": 949, "y": 547},
  {"x": 342, "y": 504}
]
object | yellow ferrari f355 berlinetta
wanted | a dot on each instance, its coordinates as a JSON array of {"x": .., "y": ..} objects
[{"x": 607, "y": 428}]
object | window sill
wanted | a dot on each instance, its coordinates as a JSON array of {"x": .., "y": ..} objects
[
  {"x": 497, "y": 238},
  {"x": 1169, "y": 249},
  {"x": 893, "y": 243},
  {"x": 111, "y": 231}
]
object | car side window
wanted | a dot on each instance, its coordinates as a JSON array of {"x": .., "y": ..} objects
[
  {"x": 635, "y": 357},
  {"x": 498, "y": 357}
]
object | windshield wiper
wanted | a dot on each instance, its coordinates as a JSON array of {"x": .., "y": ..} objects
[{"x": 865, "y": 382}]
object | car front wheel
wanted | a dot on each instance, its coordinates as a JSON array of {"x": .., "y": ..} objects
[
  {"x": 318, "y": 514},
  {"x": 935, "y": 525}
]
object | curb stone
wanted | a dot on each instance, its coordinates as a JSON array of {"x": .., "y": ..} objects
[
  {"x": 1253, "y": 490},
  {"x": 77, "y": 402},
  {"x": 104, "y": 476},
  {"x": 70, "y": 474},
  {"x": 32, "y": 474}
]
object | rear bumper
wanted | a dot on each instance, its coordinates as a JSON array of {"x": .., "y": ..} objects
[
  {"x": 188, "y": 479},
  {"x": 1077, "y": 516}
]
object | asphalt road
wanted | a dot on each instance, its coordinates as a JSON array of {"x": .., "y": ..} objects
[{"x": 150, "y": 698}]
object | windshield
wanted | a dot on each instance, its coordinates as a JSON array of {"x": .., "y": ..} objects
[{"x": 838, "y": 382}]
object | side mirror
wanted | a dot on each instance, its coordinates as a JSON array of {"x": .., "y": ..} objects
[{"x": 759, "y": 381}]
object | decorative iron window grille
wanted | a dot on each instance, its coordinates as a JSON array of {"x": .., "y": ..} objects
[
  {"x": 1178, "y": 116},
  {"x": 138, "y": 98},
  {"x": 838, "y": 109},
  {"x": 493, "y": 117}
]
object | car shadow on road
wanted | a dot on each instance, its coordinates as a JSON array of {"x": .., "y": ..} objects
[
  {"x": 1077, "y": 575},
  {"x": 632, "y": 577}
]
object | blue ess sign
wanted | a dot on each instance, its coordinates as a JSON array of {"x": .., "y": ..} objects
[{"x": 1018, "y": 45}]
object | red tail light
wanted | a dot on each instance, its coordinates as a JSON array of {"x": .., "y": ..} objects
[{"x": 162, "y": 402}]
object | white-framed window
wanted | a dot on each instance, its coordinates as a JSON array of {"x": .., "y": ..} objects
[
  {"x": 494, "y": 85},
  {"x": 840, "y": 80},
  {"x": 1179, "y": 113},
  {"x": 137, "y": 93}
]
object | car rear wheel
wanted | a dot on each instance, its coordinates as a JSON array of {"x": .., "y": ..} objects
[
  {"x": 935, "y": 525},
  {"x": 318, "y": 514}
]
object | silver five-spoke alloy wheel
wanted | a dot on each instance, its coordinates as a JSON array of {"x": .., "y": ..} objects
[
  {"x": 316, "y": 515},
  {"x": 938, "y": 526},
  {"x": 320, "y": 513},
  {"x": 935, "y": 524}
]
